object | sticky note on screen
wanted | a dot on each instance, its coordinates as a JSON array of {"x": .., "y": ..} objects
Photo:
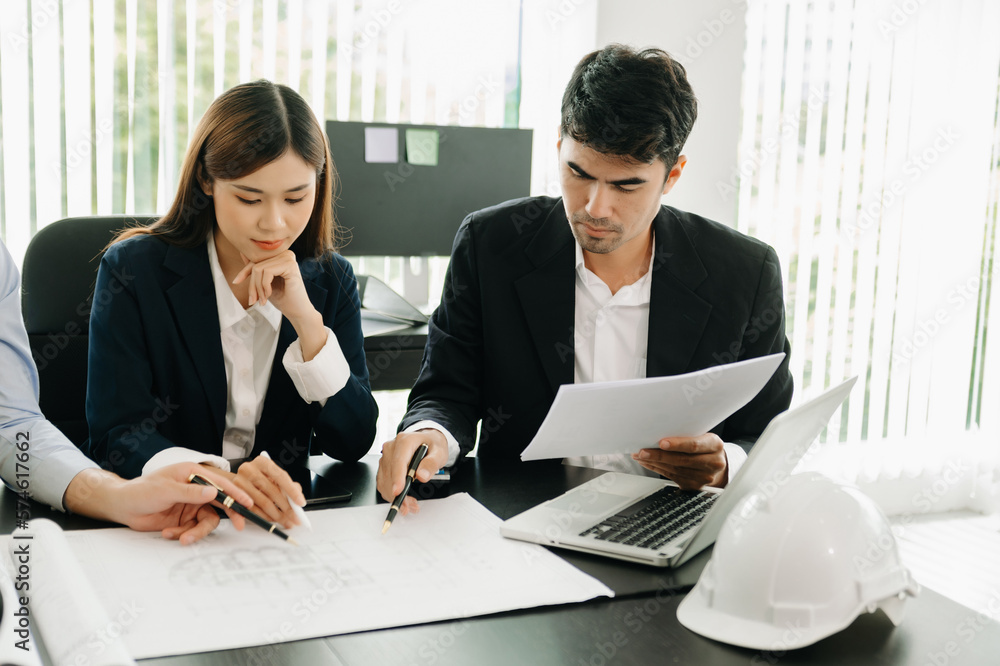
[
  {"x": 381, "y": 144},
  {"x": 422, "y": 146}
]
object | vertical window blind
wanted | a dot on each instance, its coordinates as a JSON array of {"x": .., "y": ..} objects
[
  {"x": 870, "y": 159},
  {"x": 99, "y": 97}
]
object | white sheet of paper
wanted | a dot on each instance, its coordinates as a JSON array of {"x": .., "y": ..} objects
[
  {"x": 381, "y": 144},
  {"x": 625, "y": 416},
  {"x": 238, "y": 589}
]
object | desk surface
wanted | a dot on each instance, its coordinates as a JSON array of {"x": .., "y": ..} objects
[{"x": 639, "y": 626}]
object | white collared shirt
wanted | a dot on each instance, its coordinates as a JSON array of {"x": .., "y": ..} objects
[
  {"x": 249, "y": 342},
  {"x": 610, "y": 341}
]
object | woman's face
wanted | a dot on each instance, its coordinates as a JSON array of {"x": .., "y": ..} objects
[{"x": 261, "y": 214}]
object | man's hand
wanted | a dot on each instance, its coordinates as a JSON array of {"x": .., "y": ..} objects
[
  {"x": 395, "y": 461},
  {"x": 163, "y": 500},
  {"x": 690, "y": 462}
]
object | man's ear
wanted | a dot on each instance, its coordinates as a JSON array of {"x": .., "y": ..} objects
[
  {"x": 204, "y": 181},
  {"x": 675, "y": 173}
]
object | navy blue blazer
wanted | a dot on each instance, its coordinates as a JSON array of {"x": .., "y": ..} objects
[
  {"x": 501, "y": 342},
  {"x": 156, "y": 376}
]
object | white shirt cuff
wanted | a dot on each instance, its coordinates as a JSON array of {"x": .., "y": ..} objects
[
  {"x": 453, "y": 448},
  {"x": 323, "y": 376},
  {"x": 736, "y": 456},
  {"x": 178, "y": 454}
]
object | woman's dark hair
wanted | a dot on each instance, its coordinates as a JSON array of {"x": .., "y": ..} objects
[
  {"x": 244, "y": 129},
  {"x": 634, "y": 104}
]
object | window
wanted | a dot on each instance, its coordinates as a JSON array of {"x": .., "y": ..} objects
[
  {"x": 870, "y": 159},
  {"x": 98, "y": 99}
]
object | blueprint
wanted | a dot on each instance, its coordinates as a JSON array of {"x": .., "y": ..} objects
[{"x": 238, "y": 589}]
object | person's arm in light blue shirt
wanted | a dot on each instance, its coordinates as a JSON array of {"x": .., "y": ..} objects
[
  {"x": 51, "y": 461},
  {"x": 37, "y": 459}
]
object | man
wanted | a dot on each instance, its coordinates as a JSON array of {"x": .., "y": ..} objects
[
  {"x": 604, "y": 284},
  {"x": 37, "y": 459}
]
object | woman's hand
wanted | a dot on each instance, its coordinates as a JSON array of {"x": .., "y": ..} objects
[
  {"x": 267, "y": 484},
  {"x": 278, "y": 279}
]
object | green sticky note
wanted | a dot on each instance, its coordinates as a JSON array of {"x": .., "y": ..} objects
[{"x": 422, "y": 146}]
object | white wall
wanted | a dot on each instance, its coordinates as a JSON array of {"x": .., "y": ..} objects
[{"x": 708, "y": 37}]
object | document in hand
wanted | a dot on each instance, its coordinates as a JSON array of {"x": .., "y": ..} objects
[{"x": 625, "y": 416}]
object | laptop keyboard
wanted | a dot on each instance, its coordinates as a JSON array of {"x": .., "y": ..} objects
[{"x": 654, "y": 520}]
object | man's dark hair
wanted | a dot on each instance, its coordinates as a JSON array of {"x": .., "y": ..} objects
[{"x": 630, "y": 103}]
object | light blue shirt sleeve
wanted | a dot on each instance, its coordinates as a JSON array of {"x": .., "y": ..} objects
[{"x": 52, "y": 460}]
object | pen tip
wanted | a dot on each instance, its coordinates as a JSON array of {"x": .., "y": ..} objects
[
  {"x": 293, "y": 541},
  {"x": 385, "y": 526}
]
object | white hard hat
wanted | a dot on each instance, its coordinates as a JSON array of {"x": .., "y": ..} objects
[{"x": 797, "y": 563}]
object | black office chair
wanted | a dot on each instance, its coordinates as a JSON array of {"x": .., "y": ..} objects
[{"x": 57, "y": 287}]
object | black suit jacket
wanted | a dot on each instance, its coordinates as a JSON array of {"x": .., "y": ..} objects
[
  {"x": 156, "y": 376},
  {"x": 501, "y": 342}
]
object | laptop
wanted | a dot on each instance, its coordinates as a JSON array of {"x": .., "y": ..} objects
[{"x": 652, "y": 521}]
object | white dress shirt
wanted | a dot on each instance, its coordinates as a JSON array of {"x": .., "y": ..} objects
[
  {"x": 610, "y": 340},
  {"x": 249, "y": 343}
]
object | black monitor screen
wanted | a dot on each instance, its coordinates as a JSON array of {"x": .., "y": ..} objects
[{"x": 412, "y": 206}]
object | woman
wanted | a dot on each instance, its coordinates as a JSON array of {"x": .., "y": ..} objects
[{"x": 229, "y": 327}]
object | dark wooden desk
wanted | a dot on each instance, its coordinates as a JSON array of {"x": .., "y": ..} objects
[{"x": 639, "y": 626}]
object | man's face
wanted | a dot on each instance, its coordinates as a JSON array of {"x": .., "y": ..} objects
[{"x": 610, "y": 201}]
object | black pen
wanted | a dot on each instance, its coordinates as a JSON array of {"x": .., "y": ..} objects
[
  {"x": 228, "y": 502},
  {"x": 418, "y": 455}
]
